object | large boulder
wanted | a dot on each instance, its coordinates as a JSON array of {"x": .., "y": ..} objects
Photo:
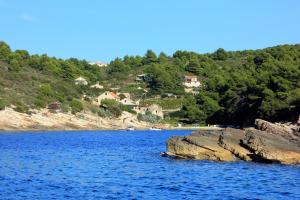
[
  {"x": 271, "y": 147},
  {"x": 201, "y": 145}
]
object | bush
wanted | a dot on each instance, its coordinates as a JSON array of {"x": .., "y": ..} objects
[
  {"x": 148, "y": 117},
  {"x": 2, "y": 104},
  {"x": 127, "y": 109},
  {"x": 112, "y": 108},
  {"x": 65, "y": 107},
  {"x": 76, "y": 106},
  {"x": 22, "y": 108},
  {"x": 40, "y": 101}
]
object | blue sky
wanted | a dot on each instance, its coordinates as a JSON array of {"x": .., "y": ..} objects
[{"x": 105, "y": 29}]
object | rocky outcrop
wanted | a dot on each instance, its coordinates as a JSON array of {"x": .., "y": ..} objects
[
  {"x": 288, "y": 131},
  {"x": 230, "y": 140},
  {"x": 199, "y": 145},
  {"x": 271, "y": 147},
  {"x": 268, "y": 143}
]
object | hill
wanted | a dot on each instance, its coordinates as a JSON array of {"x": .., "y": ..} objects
[{"x": 235, "y": 87}]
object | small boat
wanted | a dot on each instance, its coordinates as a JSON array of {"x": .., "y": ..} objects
[
  {"x": 155, "y": 129},
  {"x": 131, "y": 128},
  {"x": 164, "y": 154}
]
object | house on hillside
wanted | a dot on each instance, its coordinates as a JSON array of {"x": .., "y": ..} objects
[
  {"x": 140, "y": 77},
  {"x": 97, "y": 86},
  {"x": 99, "y": 64},
  {"x": 80, "y": 81},
  {"x": 154, "y": 109},
  {"x": 107, "y": 95},
  {"x": 191, "y": 81}
]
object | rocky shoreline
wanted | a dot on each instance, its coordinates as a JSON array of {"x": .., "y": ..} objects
[
  {"x": 38, "y": 120},
  {"x": 267, "y": 143}
]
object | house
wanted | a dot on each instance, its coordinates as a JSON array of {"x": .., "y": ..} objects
[
  {"x": 80, "y": 81},
  {"x": 107, "y": 95},
  {"x": 191, "y": 81},
  {"x": 154, "y": 109},
  {"x": 97, "y": 86},
  {"x": 55, "y": 107},
  {"x": 140, "y": 77},
  {"x": 99, "y": 64}
]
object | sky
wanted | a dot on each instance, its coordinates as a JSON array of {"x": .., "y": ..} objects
[{"x": 105, "y": 29}]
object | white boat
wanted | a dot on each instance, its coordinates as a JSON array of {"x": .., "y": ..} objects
[
  {"x": 155, "y": 129},
  {"x": 130, "y": 129}
]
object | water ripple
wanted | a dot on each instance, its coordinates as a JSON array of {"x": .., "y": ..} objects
[{"x": 127, "y": 165}]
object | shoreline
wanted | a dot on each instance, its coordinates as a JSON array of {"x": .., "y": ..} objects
[
  {"x": 43, "y": 120},
  {"x": 111, "y": 129}
]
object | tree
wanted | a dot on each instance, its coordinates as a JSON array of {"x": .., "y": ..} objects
[
  {"x": 5, "y": 51},
  {"x": 220, "y": 54},
  {"x": 192, "y": 111},
  {"x": 193, "y": 66},
  {"x": 150, "y": 57},
  {"x": 163, "y": 58},
  {"x": 118, "y": 68},
  {"x": 207, "y": 104}
]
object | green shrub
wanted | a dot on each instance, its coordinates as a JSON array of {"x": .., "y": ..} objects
[
  {"x": 2, "y": 104},
  {"x": 148, "y": 117},
  {"x": 22, "y": 108},
  {"x": 40, "y": 101},
  {"x": 111, "y": 108},
  {"x": 127, "y": 109},
  {"x": 65, "y": 107},
  {"x": 76, "y": 106}
]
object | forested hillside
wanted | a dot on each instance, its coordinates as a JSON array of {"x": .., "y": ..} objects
[{"x": 236, "y": 87}]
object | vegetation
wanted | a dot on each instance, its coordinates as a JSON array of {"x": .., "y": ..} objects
[
  {"x": 148, "y": 117},
  {"x": 237, "y": 87},
  {"x": 76, "y": 106},
  {"x": 112, "y": 108}
]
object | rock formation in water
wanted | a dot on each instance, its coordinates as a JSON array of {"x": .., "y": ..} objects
[{"x": 269, "y": 142}]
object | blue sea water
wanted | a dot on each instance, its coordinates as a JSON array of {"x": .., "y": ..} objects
[{"x": 128, "y": 165}]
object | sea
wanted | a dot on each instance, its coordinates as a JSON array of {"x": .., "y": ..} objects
[{"x": 128, "y": 165}]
